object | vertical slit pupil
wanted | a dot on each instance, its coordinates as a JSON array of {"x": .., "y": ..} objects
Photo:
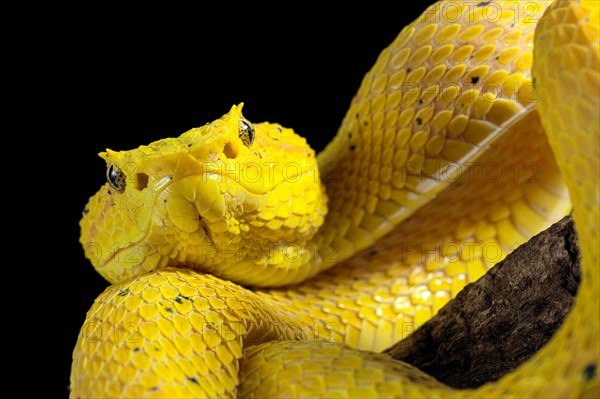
[{"x": 246, "y": 132}]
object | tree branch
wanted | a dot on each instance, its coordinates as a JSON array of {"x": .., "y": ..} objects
[{"x": 501, "y": 320}]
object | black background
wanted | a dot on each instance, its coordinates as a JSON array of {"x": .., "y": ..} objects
[{"x": 121, "y": 80}]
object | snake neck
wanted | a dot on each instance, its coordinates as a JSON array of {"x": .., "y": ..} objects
[{"x": 418, "y": 121}]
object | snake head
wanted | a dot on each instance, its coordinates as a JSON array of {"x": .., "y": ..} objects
[{"x": 230, "y": 198}]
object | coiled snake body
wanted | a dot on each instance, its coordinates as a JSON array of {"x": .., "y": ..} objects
[{"x": 450, "y": 156}]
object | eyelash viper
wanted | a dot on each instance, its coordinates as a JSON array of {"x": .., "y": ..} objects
[{"x": 451, "y": 155}]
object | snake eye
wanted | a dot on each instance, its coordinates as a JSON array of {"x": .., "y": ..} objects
[
  {"x": 116, "y": 178},
  {"x": 246, "y": 132}
]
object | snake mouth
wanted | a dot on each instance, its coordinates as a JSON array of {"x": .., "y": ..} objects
[
  {"x": 148, "y": 249},
  {"x": 114, "y": 244},
  {"x": 128, "y": 254},
  {"x": 118, "y": 260}
]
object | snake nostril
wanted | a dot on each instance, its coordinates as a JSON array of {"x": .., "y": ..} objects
[
  {"x": 142, "y": 181},
  {"x": 230, "y": 150}
]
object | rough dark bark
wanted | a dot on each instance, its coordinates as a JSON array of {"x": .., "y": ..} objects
[{"x": 500, "y": 321}]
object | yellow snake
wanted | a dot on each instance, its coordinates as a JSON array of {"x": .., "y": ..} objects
[{"x": 244, "y": 265}]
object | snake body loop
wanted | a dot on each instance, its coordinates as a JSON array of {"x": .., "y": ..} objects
[{"x": 469, "y": 135}]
